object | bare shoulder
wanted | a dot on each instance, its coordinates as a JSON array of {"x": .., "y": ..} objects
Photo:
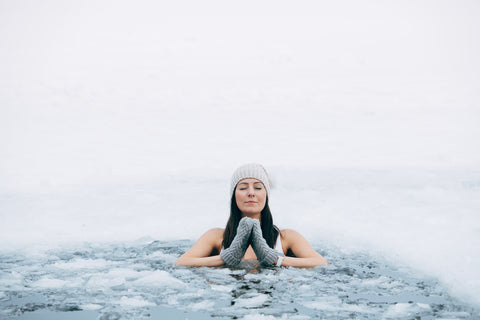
[
  {"x": 210, "y": 241},
  {"x": 299, "y": 246},
  {"x": 214, "y": 232},
  {"x": 293, "y": 240},
  {"x": 214, "y": 236},
  {"x": 290, "y": 235}
]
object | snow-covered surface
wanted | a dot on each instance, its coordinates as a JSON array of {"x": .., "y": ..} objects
[{"x": 124, "y": 120}]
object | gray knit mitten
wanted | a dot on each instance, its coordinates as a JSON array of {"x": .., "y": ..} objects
[
  {"x": 233, "y": 255},
  {"x": 265, "y": 255}
]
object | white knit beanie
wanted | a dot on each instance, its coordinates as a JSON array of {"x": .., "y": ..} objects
[{"x": 251, "y": 170}]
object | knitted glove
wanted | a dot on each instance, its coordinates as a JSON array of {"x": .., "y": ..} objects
[
  {"x": 265, "y": 255},
  {"x": 234, "y": 254}
]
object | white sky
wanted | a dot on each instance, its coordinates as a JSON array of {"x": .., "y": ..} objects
[{"x": 106, "y": 90}]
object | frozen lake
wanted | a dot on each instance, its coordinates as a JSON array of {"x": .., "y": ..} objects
[
  {"x": 139, "y": 281},
  {"x": 386, "y": 245},
  {"x": 121, "y": 123}
]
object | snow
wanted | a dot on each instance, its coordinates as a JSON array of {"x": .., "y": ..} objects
[{"x": 123, "y": 122}]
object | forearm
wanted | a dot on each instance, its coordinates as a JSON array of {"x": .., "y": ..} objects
[
  {"x": 304, "y": 262},
  {"x": 212, "y": 261}
]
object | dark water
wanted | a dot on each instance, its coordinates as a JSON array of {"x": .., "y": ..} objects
[{"x": 139, "y": 281}]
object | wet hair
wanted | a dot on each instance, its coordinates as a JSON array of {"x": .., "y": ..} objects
[{"x": 269, "y": 230}]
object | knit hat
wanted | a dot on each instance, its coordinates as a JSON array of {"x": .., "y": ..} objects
[{"x": 251, "y": 170}]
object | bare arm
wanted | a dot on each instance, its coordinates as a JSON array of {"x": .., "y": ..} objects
[
  {"x": 199, "y": 254},
  {"x": 305, "y": 255}
]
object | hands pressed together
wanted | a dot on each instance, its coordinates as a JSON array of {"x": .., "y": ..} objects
[{"x": 249, "y": 232}]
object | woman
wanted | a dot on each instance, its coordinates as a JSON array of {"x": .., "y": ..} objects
[{"x": 250, "y": 233}]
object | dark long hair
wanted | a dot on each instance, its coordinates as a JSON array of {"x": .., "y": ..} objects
[{"x": 269, "y": 230}]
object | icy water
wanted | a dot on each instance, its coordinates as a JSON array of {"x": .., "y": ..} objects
[{"x": 139, "y": 281}]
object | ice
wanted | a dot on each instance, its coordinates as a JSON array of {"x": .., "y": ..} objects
[
  {"x": 456, "y": 315},
  {"x": 128, "y": 280},
  {"x": 83, "y": 264},
  {"x": 49, "y": 283},
  {"x": 159, "y": 279},
  {"x": 112, "y": 278},
  {"x": 90, "y": 306},
  {"x": 334, "y": 304},
  {"x": 11, "y": 279},
  {"x": 161, "y": 256},
  {"x": 118, "y": 138},
  {"x": 388, "y": 213},
  {"x": 256, "y": 300},
  {"x": 203, "y": 305},
  {"x": 134, "y": 302},
  {"x": 401, "y": 310},
  {"x": 255, "y": 316},
  {"x": 222, "y": 288}
]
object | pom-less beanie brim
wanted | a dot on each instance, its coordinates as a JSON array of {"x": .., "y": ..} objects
[{"x": 251, "y": 170}]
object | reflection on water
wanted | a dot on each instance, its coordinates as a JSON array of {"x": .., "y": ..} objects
[{"x": 140, "y": 281}]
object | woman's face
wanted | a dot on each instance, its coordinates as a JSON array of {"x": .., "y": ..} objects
[{"x": 251, "y": 196}]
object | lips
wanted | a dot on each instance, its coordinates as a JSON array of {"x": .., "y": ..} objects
[{"x": 251, "y": 202}]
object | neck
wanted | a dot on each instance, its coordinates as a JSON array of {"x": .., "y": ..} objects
[{"x": 253, "y": 215}]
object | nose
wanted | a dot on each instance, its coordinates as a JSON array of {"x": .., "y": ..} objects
[{"x": 251, "y": 191}]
